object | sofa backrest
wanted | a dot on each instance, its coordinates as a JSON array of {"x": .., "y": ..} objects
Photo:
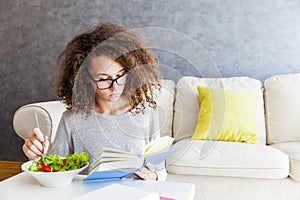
[
  {"x": 282, "y": 104},
  {"x": 49, "y": 114},
  {"x": 186, "y": 106}
]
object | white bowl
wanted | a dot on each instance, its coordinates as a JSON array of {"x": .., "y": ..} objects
[{"x": 52, "y": 179}]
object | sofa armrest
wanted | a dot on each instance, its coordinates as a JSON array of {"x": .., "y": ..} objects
[{"x": 49, "y": 114}]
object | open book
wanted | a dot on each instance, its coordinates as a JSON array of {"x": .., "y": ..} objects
[{"x": 112, "y": 163}]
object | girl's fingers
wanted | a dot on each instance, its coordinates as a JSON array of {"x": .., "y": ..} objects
[
  {"x": 32, "y": 147},
  {"x": 46, "y": 144},
  {"x": 35, "y": 147},
  {"x": 145, "y": 174},
  {"x": 150, "y": 166},
  {"x": 30, "y": 155},
  {"x": 43, "y": 140},
  {"x": 39, "y": 135},
  {"x": 135, "y": 176},
  {"x": 34, "y": 144}
]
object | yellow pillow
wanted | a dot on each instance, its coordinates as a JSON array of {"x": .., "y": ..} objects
[{"x": 226, "y": 115}]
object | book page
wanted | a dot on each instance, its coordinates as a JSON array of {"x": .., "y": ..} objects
[
  {"x": 112, "y": 159},
  {"x": 158, "y": 146},
  {"x": 158, "y": 158}
]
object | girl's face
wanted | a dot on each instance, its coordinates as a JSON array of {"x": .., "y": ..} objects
[{"x": 104, "y": 70}]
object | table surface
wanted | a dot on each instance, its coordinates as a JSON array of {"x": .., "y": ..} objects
[
  {"x": 9, "y": 169},
  {"x": 24, "y": 186}
]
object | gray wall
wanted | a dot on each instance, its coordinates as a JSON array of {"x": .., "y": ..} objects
[{"x": 244, "y": 38}]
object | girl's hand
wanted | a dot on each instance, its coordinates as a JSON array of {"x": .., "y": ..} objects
[
  {"x": 146, "y": 173},
  {"x": 35, "y": 145}
]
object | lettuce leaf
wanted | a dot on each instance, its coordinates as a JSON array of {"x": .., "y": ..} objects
[{"x": 60, "y": 164}]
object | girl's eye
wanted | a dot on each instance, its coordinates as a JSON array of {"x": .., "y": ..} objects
[
  {"x": 120, "y": 75},
  {"x": 103, "y": 79}
]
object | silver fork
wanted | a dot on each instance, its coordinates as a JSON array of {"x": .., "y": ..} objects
[{"x": 38, "y": 126}]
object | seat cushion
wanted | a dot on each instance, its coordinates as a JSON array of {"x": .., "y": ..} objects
[
  {"x": 292, "y": 149},
  {"x": 217, "y": 158},
  {"x": 186, "y": 108}
]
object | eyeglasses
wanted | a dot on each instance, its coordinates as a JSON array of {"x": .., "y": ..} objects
[{"x": 103, "y": 84}]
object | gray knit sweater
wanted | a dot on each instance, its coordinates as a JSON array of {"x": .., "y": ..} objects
[{"x": 127, "y": 132}]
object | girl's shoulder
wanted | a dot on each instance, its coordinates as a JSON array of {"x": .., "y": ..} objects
[
  {"x": 68, "y": 115},
  {"x": 149, "y": 113}
]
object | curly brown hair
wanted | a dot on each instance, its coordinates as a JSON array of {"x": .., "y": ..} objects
[{"x": 124, "y": 46}]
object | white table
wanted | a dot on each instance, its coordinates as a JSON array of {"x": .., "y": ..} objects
[{"x": 23, "y": 186}]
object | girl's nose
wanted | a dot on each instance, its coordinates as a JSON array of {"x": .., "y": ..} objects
[{"x": 113, "y": 86}]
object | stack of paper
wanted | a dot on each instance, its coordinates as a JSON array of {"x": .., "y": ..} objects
[{"x": 117, "y": 192}]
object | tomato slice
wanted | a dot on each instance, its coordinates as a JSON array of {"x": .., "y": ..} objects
[{"x": 46, "y": 168}]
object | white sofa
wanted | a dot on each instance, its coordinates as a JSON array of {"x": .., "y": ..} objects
[{"x": 220, "y": 170}]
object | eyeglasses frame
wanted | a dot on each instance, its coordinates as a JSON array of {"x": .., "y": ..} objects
[{"x": 112, "y": 80}]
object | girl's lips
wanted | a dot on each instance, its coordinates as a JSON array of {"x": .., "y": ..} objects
[{"x": 114, "y": 95}]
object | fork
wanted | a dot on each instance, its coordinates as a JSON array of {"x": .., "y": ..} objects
[{"x": 38, "y": 126}]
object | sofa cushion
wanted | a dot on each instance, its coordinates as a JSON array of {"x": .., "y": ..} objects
[
  {"x": 292, "y": 149},
  {"x": 282, "y": 108},
  {"x": 226, "y": 115},
  {"x": 165, "y": 106},
  {"x": 217, "y": 158},
  {"x": 186, "y": 106}
]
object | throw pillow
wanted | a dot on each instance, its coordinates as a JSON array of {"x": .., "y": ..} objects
[{"x": 226, "y": 115}]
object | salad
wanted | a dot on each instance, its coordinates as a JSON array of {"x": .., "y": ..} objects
[{"x": 55, "y": 163}]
